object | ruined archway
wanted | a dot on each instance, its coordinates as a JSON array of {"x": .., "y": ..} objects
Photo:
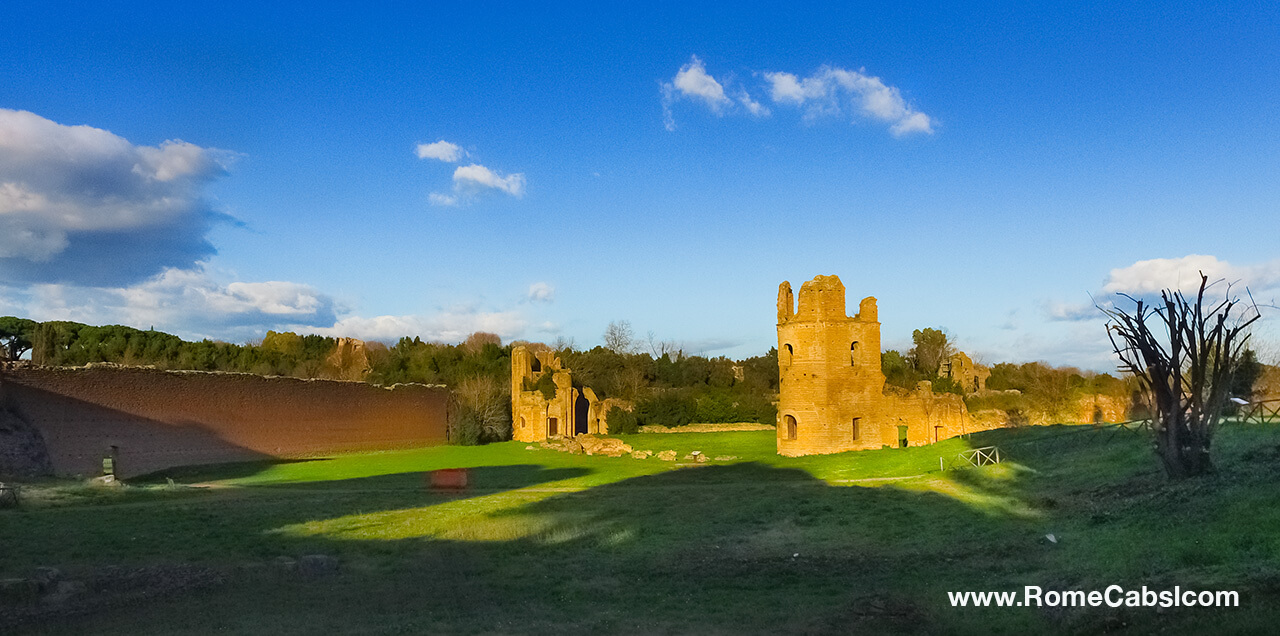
[{"x": 581, "y": 408}]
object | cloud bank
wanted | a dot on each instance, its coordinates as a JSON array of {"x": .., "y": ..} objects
[{"x": 81, "y": 205}]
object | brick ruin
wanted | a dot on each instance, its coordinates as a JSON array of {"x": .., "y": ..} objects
[
  {"x": 832, "y": 394},
  {"x": 971, "y": 377},
  {"x": 569, "y": 411}
]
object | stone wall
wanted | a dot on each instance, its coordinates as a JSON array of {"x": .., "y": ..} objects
[
  {"x": 832, "y": 395},
  {"x": 160, "y": 419}
]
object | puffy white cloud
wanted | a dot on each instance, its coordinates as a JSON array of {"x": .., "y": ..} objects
[
  {"x": 189, "y": 302},
  {"x": 74, "y": 200},
  {"x": 541, "y": 292},
  {"x": 1150, "y": 276},
  {"x": 469, "y": 180},
  {"x": 476, "y": 177},
  {"x": 692, "y": 82},
  {"x": 442, "y": 150},
  {"x": 786, "y": 88},
  {"x": 194, "y": 304},
  {"x": 832, "y": 90},
  {"x": 450, "y": 325}
]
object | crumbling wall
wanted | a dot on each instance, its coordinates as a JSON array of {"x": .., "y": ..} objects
[
  {"x": 160, "y": 419},
  {"x": 971, "y": 377},
  {"x": 569, "y": 411},
  {"x": 832, "y": 395}
]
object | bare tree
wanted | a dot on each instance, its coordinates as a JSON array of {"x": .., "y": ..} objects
[
  {"x": 1185, "y": 366},
  {"x": 618, "y": 337},
  {"x": 476, "y": 341},
  {"x": 562, "y": 344},
  {"x": 479, "y": 411}
]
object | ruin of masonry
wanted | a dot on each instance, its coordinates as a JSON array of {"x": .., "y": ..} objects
[
  {"x": 569, "y": 411},
  {"x": 971, "y": 377},
  {"x": 832, "y": 395}
]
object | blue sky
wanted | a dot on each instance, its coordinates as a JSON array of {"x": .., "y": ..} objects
[{"x": 982, "y": 168}]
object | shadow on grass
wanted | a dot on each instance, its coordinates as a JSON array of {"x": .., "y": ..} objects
[
  {"x": 718, "y": 548},
  {"x": 211, "y": 472},
  {"x": 738, "y": 548}
]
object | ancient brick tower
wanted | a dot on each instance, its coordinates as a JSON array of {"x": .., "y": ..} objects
[{"x": 831, "y": 390}]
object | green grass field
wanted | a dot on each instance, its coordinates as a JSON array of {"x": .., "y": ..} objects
[{"x": 546, "y": 542}]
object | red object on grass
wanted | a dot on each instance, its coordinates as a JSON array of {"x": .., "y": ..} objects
[{"x": 449, "y": 478}]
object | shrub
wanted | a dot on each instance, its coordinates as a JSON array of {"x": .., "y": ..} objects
[
  {"x": 621, "y": 421},
  {"x": 545, "y": 383},
  {"x": 947, "y": 385},
  {"x": 668, "y": 408}
]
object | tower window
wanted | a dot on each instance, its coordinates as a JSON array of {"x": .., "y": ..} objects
[
  {"x": 853, "y": 353},
  {"x": 789, "y": 427},
  {"x": 786, "y": 354},
  {"x": 855, "y": 428}
]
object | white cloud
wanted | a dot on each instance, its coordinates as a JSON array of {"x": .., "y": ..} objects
[
  {"x": 442, "y": 150},
  {"x": 755, "y": 108},
  {"x": 447, "y": 200},
  {"x": 541, "y": 292},
  {"x": 194, "y": 304},
  {"x": 832, "y": 90},
  {"x": 1151, "y": 276},
  {"x": 189, "y": 302},
  {"x": 73, "y": 198},
  {"x": 692, "y": 82},
  {"x": 476, "y": 177},
  {"x": 786, "y": 88},
  {"x": 1058, "y": 311},
  {"x": 451, "y": 325}
]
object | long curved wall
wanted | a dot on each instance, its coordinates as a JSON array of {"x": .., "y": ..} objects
[{"x": 160, "y": 419}]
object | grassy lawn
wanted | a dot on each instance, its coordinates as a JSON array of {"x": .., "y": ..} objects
[{"x": 546, "y": 542}]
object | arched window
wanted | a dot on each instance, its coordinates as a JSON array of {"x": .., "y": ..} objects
[
  {"x": 853, "y": 353},
  {"x": 855, "y": 428},
  {"x": 786, "y": 354},
  {"x": 789, "y": 427},
  {"x": 536, "y": 366}
]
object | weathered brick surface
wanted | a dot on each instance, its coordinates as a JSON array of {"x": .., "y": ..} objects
[
  {"x": 832, "y": 394},
  {"x": 159, "y": 419},
  {"x": 569, "y": 412}
]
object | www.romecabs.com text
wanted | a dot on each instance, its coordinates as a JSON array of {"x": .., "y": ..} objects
[{"x": 1113, "y": 596}]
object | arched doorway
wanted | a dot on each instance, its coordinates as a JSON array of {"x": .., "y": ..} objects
[{"x": 789, "y": 427}]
